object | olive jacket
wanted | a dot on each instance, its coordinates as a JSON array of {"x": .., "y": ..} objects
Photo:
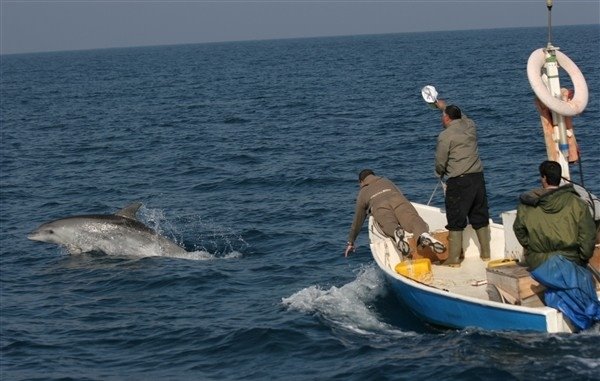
[
  {"x": 456, "y": 151},
  {"x": 554, "y": 222}
]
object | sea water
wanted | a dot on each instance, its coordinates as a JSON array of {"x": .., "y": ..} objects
[{"x": 247, "y": 154}]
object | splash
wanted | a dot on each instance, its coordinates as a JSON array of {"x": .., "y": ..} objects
[
  {"x": 349, "y": 306},
  {"x": 157, "y": 221},
  {"x": 215, "y": 242},
  {"x": 202, "y": 255}
]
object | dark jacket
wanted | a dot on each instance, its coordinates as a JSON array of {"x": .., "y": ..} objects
[{"x": 554, "y": 222}]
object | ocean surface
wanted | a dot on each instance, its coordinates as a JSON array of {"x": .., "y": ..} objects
[{"x": 247, "y": 155}]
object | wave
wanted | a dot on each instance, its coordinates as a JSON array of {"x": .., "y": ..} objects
[{"x": 350, "y": 306}]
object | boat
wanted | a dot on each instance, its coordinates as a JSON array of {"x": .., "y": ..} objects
[
  {"x": 461, "y": 298},
  {"x": 481, "y": 294}
]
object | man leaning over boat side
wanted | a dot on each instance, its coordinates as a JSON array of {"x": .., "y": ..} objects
[
  {"x": 553, "y": 220},
  {"x": 457, "y": 158},
  {"x": 392, "y": 211}
]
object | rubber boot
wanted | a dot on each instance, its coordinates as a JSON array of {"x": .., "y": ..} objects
[
  {"x": 455, "y": 238},
  {"x": 484, "y": 236}
]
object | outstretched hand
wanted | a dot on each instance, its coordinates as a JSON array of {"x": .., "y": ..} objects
[{"x": 349, "y": 247}]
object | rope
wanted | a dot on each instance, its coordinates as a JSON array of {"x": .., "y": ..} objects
[
  {"x": 434, "y": 189},
  {"x": 591, "y": 197}
]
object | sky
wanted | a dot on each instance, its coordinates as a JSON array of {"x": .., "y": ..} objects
[{"x": 51, "y": 25}]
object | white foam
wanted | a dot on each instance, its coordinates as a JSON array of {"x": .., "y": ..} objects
[
  {"x": 348, "y": 306},
  {"x": 202, "y": 255}
]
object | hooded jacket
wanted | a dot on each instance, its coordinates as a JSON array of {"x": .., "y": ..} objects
[{"x": 554, "y": 222}]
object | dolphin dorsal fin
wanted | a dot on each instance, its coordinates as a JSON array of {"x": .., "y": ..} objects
[{"x": 129, "y": 211}]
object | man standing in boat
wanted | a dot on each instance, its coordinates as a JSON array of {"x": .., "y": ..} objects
[
  {"x": 553, "y": 220},
  {"x": 457, "y": 158},
  {"x": 392, "y": 211}
]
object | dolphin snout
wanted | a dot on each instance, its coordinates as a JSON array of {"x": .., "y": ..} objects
[
  {"x": 41, "y": 233},
  {"x": 34, "y": 235}
]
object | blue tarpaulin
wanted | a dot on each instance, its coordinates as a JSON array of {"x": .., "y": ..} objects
[{"x": 570, "y": 289}]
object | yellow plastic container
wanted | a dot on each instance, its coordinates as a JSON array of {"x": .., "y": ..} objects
[
  {"x": 502, "y": 262},
  {"x": 415, "y": 269}
]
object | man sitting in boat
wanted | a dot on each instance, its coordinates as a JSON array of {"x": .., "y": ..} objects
[
  {"x": 392, "y": 211},
  {"x": 557, "y": 231},
  {"x": 553, "y": 220}
]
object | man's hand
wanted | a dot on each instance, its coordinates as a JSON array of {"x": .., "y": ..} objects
[
  {"x": 441, "y": 104},
  {"x": 349, "y": 247}
]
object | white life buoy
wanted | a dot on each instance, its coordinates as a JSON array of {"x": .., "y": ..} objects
[{"x": 573, "y": 107}]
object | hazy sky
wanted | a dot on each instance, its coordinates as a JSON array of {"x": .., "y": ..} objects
[{"x": 35, "y": 26}]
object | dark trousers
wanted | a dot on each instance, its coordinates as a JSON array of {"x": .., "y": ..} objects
[{"x": 466, "y": 202}]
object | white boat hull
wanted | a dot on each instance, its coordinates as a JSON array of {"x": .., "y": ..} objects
[{"x": 457, "y": 297}]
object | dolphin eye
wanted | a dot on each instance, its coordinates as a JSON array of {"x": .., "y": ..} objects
[{"x": 50, "y": 231}]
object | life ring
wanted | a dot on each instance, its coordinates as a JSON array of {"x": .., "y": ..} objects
[{"x": 573, "y": 107}]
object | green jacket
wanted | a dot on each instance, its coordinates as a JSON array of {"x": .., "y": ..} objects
[{"x": 552, "y": 222}]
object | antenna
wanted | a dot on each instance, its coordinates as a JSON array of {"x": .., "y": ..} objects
[{"x": 549, "y": 4}]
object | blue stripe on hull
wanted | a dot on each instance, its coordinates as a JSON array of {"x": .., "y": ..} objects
[{"x": 457, "y": 313}]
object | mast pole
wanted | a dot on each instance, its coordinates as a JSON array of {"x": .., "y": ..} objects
[{"x": 553, "y": 84}]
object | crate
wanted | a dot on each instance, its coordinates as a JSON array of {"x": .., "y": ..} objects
[
  {"x": 516, "y": 284},
  {"x": 418, "y": 269},
  {"x": 595, "y": 263},
  {"x": 419, "y": 252},
  {"x": 595, "y": 259}
]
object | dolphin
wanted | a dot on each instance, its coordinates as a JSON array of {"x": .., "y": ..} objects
[{"x": 120, "y": 233}]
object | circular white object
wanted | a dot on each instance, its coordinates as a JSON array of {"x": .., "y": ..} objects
[
  {"x": 429, "y": 93},
  {"x": 573, "y": 107}
]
